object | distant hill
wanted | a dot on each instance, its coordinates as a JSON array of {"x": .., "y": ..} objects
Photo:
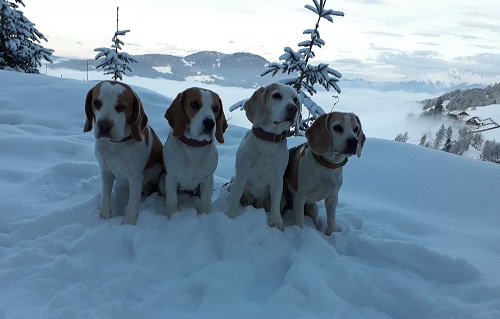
[
  {"x": 244, "y": 69},
  {"x": 237, "y": 69},
  {"x": 464, "y": 99}
]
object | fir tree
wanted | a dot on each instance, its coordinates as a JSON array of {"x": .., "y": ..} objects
[
  {"x": 20, "y": 48},
  {"x": 440, "y": 134},
  {"x": 308, "y": 75},
  {"x": 423, "y": 140},
  {"x": 114, "y": 62},
  {"x": 447, "y": 144},
  {"x": 439, "y": 109},
  {"x": 463, "y": 142},
  {"x": 491, "y": 152},
  {"x": 402, "y": 137}
]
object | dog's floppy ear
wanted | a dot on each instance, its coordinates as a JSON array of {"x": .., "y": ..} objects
[
  {"x": 139, "y": 118},
  {"x": 252, "y": 105},
  {"x": 176, "y": 116},
  {"x": 318, "y": 135},
  {"x": 89, "y": 112},
  {"x": 361, "y": 138},
  {"x": 220, "y": 123}
]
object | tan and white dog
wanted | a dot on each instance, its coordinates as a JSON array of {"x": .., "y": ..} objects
[
  {"x": 262, "y": 156},
  {"x": 190, "y": 156},
  {"x": 314, "y": 170},
  {"x": 126, "y": 147}
]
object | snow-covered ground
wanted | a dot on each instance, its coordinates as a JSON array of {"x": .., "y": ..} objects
[{"x": 420, "y": 228}]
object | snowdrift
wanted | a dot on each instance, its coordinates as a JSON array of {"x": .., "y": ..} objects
[{"x": 419, "y": 233}]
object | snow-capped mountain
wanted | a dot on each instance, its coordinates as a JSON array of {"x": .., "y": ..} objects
[{"x": 453, "y": 78}]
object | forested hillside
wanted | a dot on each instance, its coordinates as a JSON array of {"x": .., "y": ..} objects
[{"x": 463, "y": 99}]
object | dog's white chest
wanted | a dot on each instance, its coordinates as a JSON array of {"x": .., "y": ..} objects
[
  {"x": 123, "y": 161},
  {"x": 190, "y": 165}
]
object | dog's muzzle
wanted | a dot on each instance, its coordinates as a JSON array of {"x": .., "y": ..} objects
[
  {"x": 104, "y": 128},
  {"x": 351, "y": 146},
  {"x": 291, "y": 112},
  {"x": 208, "y": 125}
]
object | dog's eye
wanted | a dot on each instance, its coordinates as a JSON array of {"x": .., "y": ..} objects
[
  {"x": 195, "y": 105},
  {"x": 337, "y": 128},
  {"x": 215, "y": 108},
  {"x": 120, "y": 108},
  {"x": 277, "y": 96},
  {"x": 97, "y": 104},
  {"x": 356, "y": 129},
  {"x": 296, "y": 100}
]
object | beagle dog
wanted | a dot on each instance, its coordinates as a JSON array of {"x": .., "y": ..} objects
[
  {"x": 126, "y": 147},
  {"x": 262, "y": 155},
  {"x": 314, "y": 170},
  {"x": 190, "y": 156}
]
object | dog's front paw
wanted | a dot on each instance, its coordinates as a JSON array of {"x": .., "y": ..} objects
[
  {"x": 129, "y": 220},
  {"x": 276, "y": 222},
  {"x": 231, "y": 215},
  {"x": 105, "y": 214},
  {"x": 332, "y": 229}
]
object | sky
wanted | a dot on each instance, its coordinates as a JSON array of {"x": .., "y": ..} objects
[
  {"x": 390, "y": 39},
  {"x": 419, "y": 232}
]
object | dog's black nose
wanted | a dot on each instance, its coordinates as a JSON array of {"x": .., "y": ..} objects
[
  {"x": 292, "y": 108},
  {"x": 351, "y": 145},
  {"x": 208, "y": 124},
  {"x": 105, "y": 126}
]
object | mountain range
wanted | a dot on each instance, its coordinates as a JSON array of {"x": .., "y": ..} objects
[{"x": 244, "y": 70}]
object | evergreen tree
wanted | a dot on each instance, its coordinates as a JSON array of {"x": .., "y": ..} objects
[
  {"x": 308, "y": 75},
  {"x": 402, "y": 137},
  {"x": 20, "y": 48},
  {"x": 439, "y": 109},
  {"x": 423, "y": 140},
  {"x": 477, "y": 140},
  {"x": 491, "y": 152},
  {"x": 440, "y": 134},
  {"x": 114, "y": 62},
  {"x": 463, "y": 142},
  {"x": 447, "y": 144},
  {"x": 449, "y": 132}
]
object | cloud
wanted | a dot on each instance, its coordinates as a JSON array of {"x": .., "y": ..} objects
[
  {"x": 370, "y": 1},
  {"x": 481, "y": 25},
  {"x": 385, "y": 34},
  {"x": 373, "y": 46},
  {"x": 348, "y": 61},
  {"x": 428, "y": 34},
  {"x": 488, "y": 47},
  {"x": 492, "y": 59},
  {"x": 428, "y": 61},
  {"x": 467, "y": 37},
  {"x": 429, "y": 43}
]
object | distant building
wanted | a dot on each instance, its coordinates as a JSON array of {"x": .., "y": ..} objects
[
  {"x": 474, "y": 121},
  {"x": 458, "y": 115}
]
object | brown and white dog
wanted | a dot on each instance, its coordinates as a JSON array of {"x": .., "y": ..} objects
[
  {"x": 314, "y": 170},
  {"x": 262, "y": 156},
  {"x": 127, "y": 149},
  {"x": 190, "y": 156}
]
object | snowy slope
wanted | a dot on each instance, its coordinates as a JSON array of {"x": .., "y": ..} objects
[{"x": 419, "y": 233}]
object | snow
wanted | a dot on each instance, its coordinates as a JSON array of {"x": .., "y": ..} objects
[
  {"x": 164, "y": 69},
  {"x": 455, "y": 77},
  {"x": 419, "y": 232}
]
